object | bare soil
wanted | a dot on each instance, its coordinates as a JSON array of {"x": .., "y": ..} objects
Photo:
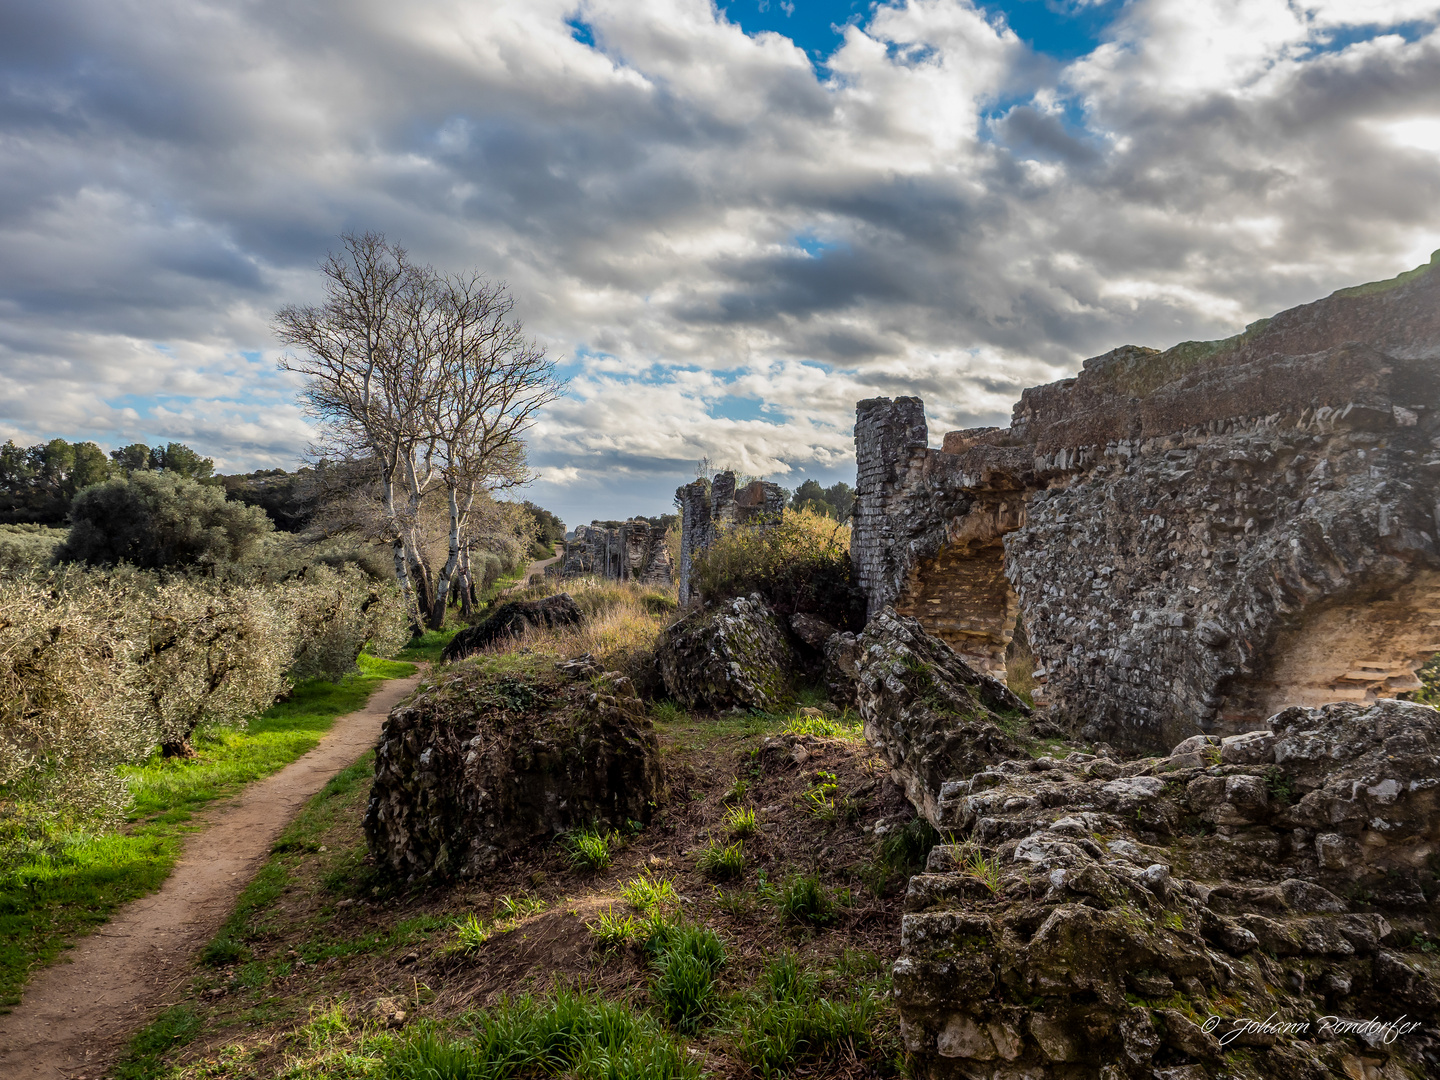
[{"x": 76, "y": 1015}]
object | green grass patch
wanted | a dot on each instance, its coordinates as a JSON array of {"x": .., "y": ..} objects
[
  {"x": 51, "y": 899},
  {"x": 428, "y": 646},
  {"x": 143, "y": 1058},
  {"x": 571, "y": 1034}
]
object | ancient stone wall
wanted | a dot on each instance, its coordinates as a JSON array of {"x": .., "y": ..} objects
[
  {"x": 1193, "y": 538},
  {"x": 707, "y": 510},
  {"x": 633, "y": 552}
]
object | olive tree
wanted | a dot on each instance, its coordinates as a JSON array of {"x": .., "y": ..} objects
[{"x": 158, "y": 520}]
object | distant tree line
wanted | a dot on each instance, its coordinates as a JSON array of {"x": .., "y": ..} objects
[
  {"x": 837, "y": 501},
  {"x": 38, "y": 483}
]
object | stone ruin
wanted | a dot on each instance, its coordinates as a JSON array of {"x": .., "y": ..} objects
[
  {"x": 1191, "y": 539},
  {"x": 707, "y": 509},
  {"x": 633, "y": 552}
]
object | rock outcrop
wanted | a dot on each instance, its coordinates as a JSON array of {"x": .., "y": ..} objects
[
  {"x": 927, "y": 712},
  {"x": 1194, "y": 539},
  {"x": 632, "y": 551},
  {"x": 732, "y": 654},
  {"x": 1229, "y": 910},
  {"x": 476, "y": 766},
  {"x": 511, "y": 620}
]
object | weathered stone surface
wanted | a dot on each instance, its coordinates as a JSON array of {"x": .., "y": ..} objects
[
  {"x": 511, "y": 620},
  {"x": 733, "y": 654},
  {"x": 633, "y": 551},
  {"x": 473, "y": 767},
  {"x": 927, "y": 712},
  {"x": 811, "y": 629},
  {"x": 1108, "y": 884},
  {"x": 1194, "y": 539}
]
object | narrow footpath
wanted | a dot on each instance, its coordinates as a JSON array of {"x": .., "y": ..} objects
[{"x": 79, "y": 1012}]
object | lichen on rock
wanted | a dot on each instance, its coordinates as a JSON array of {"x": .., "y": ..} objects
[
  {"x": 928, "y": 713},
  {"x": 732, "y": 654}
]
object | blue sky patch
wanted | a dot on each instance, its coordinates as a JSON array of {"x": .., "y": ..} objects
[{"x": 580, "y": 30}]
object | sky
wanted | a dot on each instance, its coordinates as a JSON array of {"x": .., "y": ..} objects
[{"x": 726, "y": 222}]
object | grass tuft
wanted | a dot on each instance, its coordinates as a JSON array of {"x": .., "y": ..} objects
[
  {"x": 647, "y": 892},
  {"x": 591, "y": 849},
  {"x": 802, "y": 899},
  {"x": 741, "y": 822},
  {"x": 721, "y": 861}
]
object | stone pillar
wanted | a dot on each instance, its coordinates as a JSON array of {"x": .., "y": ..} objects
[
  {"x": 887, "y": 435},
  {"x": 694, "y": 502}
]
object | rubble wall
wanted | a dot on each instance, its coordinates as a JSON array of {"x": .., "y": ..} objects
[
  {"x": 709, "y": 509},
  {"x": 1193, "y": 538}
]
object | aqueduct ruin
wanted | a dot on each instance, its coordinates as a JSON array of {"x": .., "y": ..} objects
[{"x": 1192, "y": 539}]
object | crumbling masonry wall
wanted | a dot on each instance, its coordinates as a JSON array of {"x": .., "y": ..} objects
[
  {"x": 708, "y": 509},
  {"x": 1193, "y": 538},
  {"x": 633, "y": 552}
]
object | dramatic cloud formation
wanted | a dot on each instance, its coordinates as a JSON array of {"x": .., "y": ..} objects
[{"x": 729, "y": 237}]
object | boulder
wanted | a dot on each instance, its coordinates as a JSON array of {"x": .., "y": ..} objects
[
  {"x": 478, "y": 765},
  {"x": 511, "y": 620},
  {"x": 733, "y": 654},
  {"x": 928, "y": 713},
  {"x": 811, "y": 629}
]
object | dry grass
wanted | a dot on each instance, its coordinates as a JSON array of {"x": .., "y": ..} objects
[{"x": 622, "y": 621}]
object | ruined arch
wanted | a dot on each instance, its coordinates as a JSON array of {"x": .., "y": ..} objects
[{"x": 1364, "y": 645}]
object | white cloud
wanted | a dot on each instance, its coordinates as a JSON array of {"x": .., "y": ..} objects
[{"x": 729, "y": 247}]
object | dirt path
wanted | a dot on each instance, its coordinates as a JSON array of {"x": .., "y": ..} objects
[
  {"x": 533, "y": 568},
  {"x": 79, "y": 1011}
]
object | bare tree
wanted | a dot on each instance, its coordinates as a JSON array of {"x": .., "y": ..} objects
[{"x": 430, "y": 380}]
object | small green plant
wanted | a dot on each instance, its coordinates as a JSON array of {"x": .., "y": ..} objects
[
  {"x": 647, "y": 891},
  {"x": 591, "y": 849},
  {"x": 518, "y": 907},
  {"x": 986, "y": 871},
  {"x": 610, "y": 931},
  {"x": 740, "y": 821},
  {"x": 721, "y": 861},
  {"x": 471, "y": 933},
  {"x": 819, "y": 805},
  {"x": 802, "y": 899},
  {"x": 736, "y": 791},
  {"x": 1279, "y": 786},
  {"x": 685, "y": 970},
  {"x": 666, "y": 712},
  {"x": 822, "y": 727}
]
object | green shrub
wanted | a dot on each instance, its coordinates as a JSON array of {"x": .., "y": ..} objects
[
  {"x": 156, "y": 520},
  {"x": 721, "y": 861},
  {"x": 800, "y": 563}
]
